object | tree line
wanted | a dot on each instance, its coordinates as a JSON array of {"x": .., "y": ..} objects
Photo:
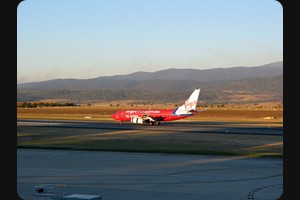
[{"x": 42, "y": 104}]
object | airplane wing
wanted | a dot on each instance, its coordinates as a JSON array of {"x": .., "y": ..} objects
[{"x": 153, "y": 118}]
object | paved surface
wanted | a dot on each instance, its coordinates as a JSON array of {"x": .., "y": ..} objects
[
  {"x": 265, "y": 128},
  {"x": 136, "y": 176}
]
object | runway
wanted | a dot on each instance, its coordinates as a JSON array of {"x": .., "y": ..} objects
[
  {"x": 152, "y": 176},
  {"x": 186, "y": 126},
  {"x": 148, "y": 176}
]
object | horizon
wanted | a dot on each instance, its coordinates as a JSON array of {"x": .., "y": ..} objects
[{"x": 145, "y": 72}]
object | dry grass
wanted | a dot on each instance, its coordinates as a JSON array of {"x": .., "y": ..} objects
[{"x": 149, "y": 141}]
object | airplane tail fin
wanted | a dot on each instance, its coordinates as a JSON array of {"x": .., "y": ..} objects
[{"x": 190, "y": 104}]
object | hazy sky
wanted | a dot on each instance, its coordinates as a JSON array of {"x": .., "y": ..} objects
[{"x": 91, "y": 38}]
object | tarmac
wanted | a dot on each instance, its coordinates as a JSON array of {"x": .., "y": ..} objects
[{"x": 149, "y": 176}]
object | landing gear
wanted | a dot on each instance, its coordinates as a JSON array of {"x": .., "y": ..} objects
[
  {"x": 121, "y": 122},
  {"x": 154, "y": 123}
]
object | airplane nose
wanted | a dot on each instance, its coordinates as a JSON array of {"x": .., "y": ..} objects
[{"x": 114, "y": 116}]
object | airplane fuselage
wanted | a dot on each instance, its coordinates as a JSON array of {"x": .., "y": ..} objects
[{"x": 157, "y": 114}]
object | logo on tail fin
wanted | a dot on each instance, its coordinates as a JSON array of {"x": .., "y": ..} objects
[{"x": 189, "y": 105}]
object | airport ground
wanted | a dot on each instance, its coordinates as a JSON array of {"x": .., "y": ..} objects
[
  {"x": 189, "y": 137},
  {"x": 222, "y": 154},
  {"x": 104, "y": 112},
  {"x": 149, "y": 176}
]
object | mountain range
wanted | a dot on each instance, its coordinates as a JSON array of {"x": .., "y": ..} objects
[{"x": 218, "y": 86}]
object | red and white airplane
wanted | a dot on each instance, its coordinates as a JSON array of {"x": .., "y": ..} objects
[{"x": 155, "y": 116}]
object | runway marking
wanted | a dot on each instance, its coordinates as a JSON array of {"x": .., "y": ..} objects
[
  {"x": 275, "y": 144},
  {"x": 144, "y": 182},
  {"x": 252, "y": 192}
]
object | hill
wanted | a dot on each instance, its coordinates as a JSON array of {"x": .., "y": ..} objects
[{"x": 218, "y": 86}]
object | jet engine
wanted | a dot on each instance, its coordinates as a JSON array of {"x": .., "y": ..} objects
[{"x": 137, "y": 120}]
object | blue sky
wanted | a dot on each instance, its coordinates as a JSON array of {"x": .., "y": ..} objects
[{"x": 91, "y": 38}]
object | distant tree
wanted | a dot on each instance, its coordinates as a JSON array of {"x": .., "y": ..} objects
[{"x": 41, "y": 104}]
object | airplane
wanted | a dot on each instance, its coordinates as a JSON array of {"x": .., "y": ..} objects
[{"x": 155, "y": 116}]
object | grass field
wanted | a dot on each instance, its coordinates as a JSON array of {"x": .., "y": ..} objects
[
  {"x": 105, "y": 112},
  {"x": 149, "y": 140}
]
